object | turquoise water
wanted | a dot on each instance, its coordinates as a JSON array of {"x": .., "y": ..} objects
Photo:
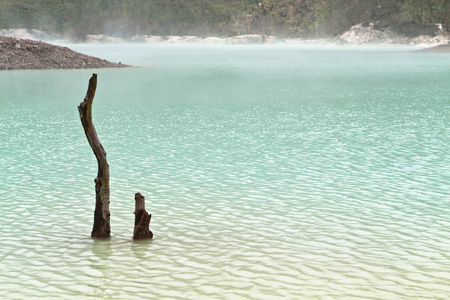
[{"x": 271, "y": 173}]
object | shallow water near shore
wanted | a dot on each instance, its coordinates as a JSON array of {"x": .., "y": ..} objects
[{"x": 271, "y": 173}]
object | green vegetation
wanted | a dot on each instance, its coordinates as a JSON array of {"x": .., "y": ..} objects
[{"x": 285, "y": 18}]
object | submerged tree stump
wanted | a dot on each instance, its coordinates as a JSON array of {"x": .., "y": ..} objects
[
  {"x": 101, "y": 228},
  {"x": 141, "y": 219}
]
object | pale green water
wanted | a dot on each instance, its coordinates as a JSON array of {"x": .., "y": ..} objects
[{"x": 271, "y": 173}]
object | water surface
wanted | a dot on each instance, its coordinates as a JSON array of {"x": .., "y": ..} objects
[{"x": 271, "y": 173}]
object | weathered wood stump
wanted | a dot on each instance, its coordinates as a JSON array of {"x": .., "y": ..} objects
[
  {"x": 141, "y": 219},
  {"x": 102, "y": 227}
]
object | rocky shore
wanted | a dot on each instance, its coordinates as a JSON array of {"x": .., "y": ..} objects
[{"x": 20, "y": 54}]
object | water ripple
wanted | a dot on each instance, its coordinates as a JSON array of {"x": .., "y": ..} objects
[{"x": 287, "y": 190}]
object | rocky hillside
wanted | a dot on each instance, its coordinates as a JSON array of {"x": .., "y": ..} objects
[
  {"x": 221, "y": 18},
  {"x": 18, "y": 54},
  {"x": 373, "y": 33}
]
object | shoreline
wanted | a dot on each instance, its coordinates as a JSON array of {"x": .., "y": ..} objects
[
  {"x": 23, "y": 49},
  {"x": 356, "y": 36}
]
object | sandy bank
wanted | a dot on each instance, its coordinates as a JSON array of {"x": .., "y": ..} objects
[
  {"x": 20, "y": 54},
  {"x": 436, "y": 49}
]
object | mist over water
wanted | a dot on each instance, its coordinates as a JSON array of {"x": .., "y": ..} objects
[{"x": 271, "y": 173}]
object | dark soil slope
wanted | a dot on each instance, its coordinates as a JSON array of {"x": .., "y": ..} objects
[{"x": 21, "y": 54}]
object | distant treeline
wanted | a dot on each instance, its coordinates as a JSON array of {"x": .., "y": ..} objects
[{"x": 285, "y": 18}]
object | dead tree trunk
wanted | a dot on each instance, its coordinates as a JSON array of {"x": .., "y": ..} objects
[
  {"x": 141, "y": 219},
  {"x": 101, "y": 228}
]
